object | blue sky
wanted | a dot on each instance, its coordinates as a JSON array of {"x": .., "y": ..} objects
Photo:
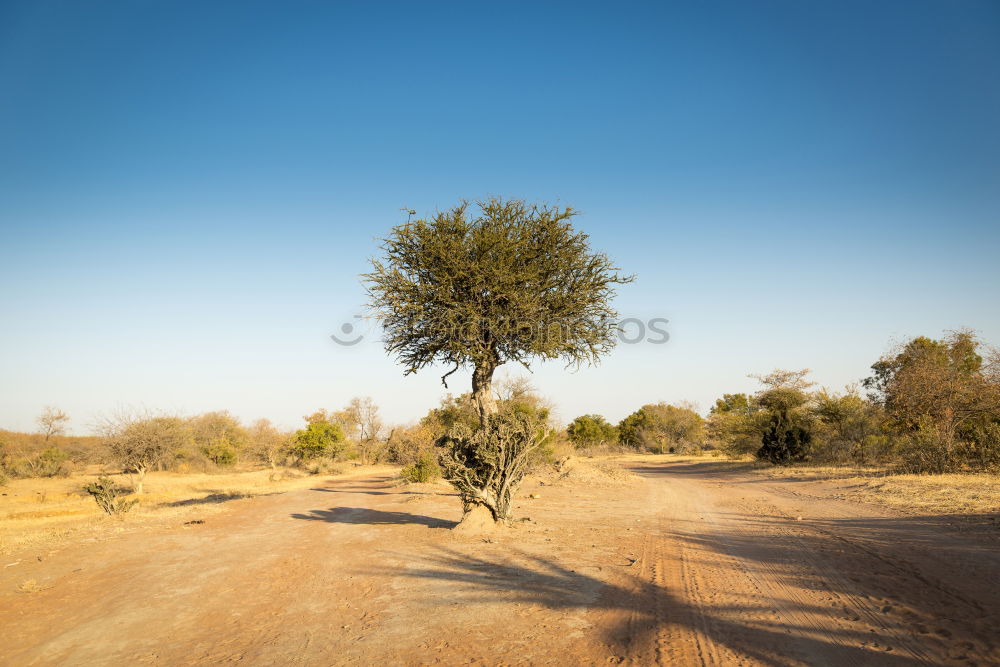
[{"x": 188, "y": 191}]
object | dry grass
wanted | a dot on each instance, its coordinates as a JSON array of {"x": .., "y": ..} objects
[
  {"x": 964, "y": 493},
  {"x": 54, "y": 511},
  {"x": 937, "y": 494}
]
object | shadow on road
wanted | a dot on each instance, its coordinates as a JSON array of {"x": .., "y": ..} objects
[
  {"x": 641, "y": 612},
  {"x": 364, "y": 515}
]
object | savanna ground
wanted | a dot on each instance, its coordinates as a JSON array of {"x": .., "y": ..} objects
[{"x": 640, "y": 560}]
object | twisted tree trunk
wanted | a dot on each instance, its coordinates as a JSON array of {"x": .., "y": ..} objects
[{"x": 482, "y": 391}]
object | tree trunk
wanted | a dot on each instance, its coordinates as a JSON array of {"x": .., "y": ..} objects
[
  {"x": 141, "y": 476},
  {"x": 482, "y": 391}
]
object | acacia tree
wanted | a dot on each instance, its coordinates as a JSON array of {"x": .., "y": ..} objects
[
  {"x": 514, "y": 283},
  {"x": 52, "y": 422},
  {"x": 139, "y": 441},
  {"x": 591, "y": 431},
  {"x": 945, "y": 397}
]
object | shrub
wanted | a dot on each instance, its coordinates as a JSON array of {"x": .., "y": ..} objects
[
  {"x": 661, "y": 428},
  {"x": 323, "y": 466},
  {"x": 221, "y": 453},
  {"x": 318, "y": 439},
  {"x": 488, "y": 465},
  {"x": 426, "y": 469},
  {"x": 49, "y": 462},
  {"x": 591, "y": 431},
  {"x": 407, "y": 444},
  {"x": 110, "y": 497},
  {"x": 784, "y": 441},
  {"x": 218, "y": 436}
]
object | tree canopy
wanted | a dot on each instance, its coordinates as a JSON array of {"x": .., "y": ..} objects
[{"x": 515, "y": 282}]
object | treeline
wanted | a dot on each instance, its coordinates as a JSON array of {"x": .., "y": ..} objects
[
  {"x": 138, "y": 442},
  {"x": 929, "y": 406}
]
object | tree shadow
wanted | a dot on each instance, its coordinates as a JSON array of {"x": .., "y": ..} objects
[
  {"x": 367, "y": 516},
  {"x": 369, "y": 492},
  {"x": 376, "y": 486},
  {"x": 651, "y": 615},
  {"x": 214, "y": 497}
]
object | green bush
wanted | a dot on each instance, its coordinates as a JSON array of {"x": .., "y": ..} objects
[
  {"x": 319, "y": 439},
  {"x": 425, "y": 469},
  {"x": 591, "y": 431},
  {"x": 221, "y": 453},
  {"x": 784, "y": 442}
]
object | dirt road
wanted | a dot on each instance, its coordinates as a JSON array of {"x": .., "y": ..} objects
[{"x": 686, "y": 564}]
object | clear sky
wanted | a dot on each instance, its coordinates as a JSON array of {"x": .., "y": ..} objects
[{"x": 189, "y": 190}]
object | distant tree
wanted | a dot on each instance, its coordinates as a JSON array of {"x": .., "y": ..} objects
[
  {"x": 219, "y": 436},
  {"x": 267, "y": 443},
  {"x": 850, "y": 423},
  {"x": 363, "y": 425},
  {"x": 52, "y": 422},
  {"x": 516, "y": 283},
  {"x": 787, "y": 437},
  {"x": 661, "y": 427},
  {"x": 512, "y": 388},
  {"x": 318, "y": 439},
  {"x": 736, "y": 424},
  {"x": 140, "y": 442},
  {"x": 591, "y": 431},
  {"x": 945, "y": 396},
  {"x": 738, "y": 404}
]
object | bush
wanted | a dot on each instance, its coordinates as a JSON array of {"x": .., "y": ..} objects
[
  {"x": 323, "y": 466},
  {"x": 221, "y": 453},
  {"x": 784, "y": 442},
  {"x": 488, "y": 465},
  {"x": 110, "y": 497},
  {"x": 591, "y": 431},
  {"x": 318, "y": 439},
  {"x": 426, "y": 469},
  {"x": 50, "y": 462},
  {"x": 660, "y": 428}
]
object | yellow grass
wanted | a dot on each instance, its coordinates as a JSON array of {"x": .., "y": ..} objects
[
  {"x": 49, "y": 512},
  {"x": 962, "y": 493},
  {"x": 945, "y": 494}
]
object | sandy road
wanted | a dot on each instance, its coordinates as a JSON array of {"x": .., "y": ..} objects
[{"x": 687, "y": 565}]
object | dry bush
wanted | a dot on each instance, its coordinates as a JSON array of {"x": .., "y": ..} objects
[
  {"x": 487, "y": 465},
  {"x": 109, "y": 497},
  {"x": 141, "y": 442},
  {"x": 424, "y": 469}
]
